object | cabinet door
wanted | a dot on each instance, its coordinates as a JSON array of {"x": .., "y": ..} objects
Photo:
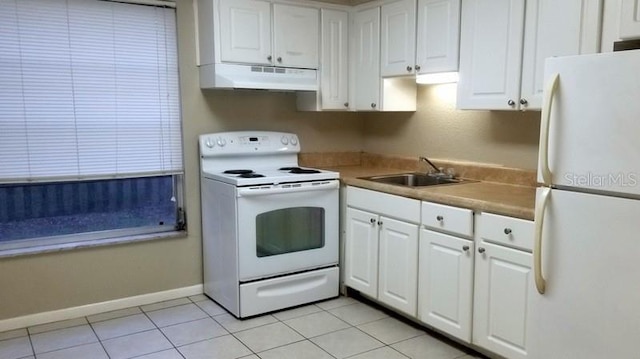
[
  {"x": 490, "y": 54},
  {"x": 556, "y": 28},
  {"x": 333, "y": 70},
  {"x": 503, "y": 288},
  {"x": 361, "y": 251},
  {"x": 446, "y": 283},
  {"x": 245, "y": 31},
  {"x": 398, "y": 38},
  {"x": 630, "y": 19},
  {"x": 438, "y": 36},
  {"x": 366, "y": 59},
  {"x": 398, "y": 267},
  {"x": 295, "y": 36}
]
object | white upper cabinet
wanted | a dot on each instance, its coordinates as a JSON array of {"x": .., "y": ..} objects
[
  {"x": 295, "y": 36},
  {"x": 245, "y": 31},
  {"x": 398, "y": 38},
  {"x": 567, "y": 27},
  {"x": 490, "y": 54},
  {"x": 630, "y": 19},
  {"x": 621, "y": 21},
  {"x": 501, "y": 62},
  {"x": 438, "y": 36},
  {"x": 366, "y": 59},
  {"x": 334, "y": 90},
  {"x": 246, "y": 36}
]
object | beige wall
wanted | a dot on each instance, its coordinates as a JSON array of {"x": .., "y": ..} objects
[
  {"x": 39, "y": 283},
  {"x": 437, "y": 130}
]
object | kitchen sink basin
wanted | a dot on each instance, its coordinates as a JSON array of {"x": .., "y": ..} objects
[{"x": 413, "y": 180}]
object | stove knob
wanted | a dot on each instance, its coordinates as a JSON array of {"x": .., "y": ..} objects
[
  {"x": 221, "y": 142},
  {"x": 209, "y": 143},
  {"x": 294, "y": 140},
  {"x": 284, "y": 140}
]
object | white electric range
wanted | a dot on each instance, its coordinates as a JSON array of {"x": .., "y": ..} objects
[{"x": 270, "y": 227}]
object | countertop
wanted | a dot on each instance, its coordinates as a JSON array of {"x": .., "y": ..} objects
[{"x": 499, "y": 198}]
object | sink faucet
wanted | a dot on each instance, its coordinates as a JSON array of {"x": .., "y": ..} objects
[
  {"x": 439, "y": 172},
  {"x": 430, "y": 164}
]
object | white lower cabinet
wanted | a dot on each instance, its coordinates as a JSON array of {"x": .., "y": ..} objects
[
  {"x": 381, "y": 253},
  {"x": 398, "y": 265},
  {"x": 361, "y": 251},
  {"x": 446, "y": 283},
  {"x": 468, "y": 276},
  {"x": 503, "y": 286}
]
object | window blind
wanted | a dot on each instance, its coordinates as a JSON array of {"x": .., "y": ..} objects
[{"x": 88, "y": 89}]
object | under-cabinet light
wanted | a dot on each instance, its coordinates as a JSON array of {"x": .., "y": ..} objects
[{"x": 437, "y": 78}]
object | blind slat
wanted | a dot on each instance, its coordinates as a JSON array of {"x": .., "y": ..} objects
[{"x": 89, "y": 90}]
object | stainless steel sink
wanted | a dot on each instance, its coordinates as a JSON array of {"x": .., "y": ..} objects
[{"x": 413, "y": 180}]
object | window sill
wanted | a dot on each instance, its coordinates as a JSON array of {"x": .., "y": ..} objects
[{"x": 8, "y": 253}]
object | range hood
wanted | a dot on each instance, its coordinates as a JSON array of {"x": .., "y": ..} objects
[{"x": 237, "y": 76}]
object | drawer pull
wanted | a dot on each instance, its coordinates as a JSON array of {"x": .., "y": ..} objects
[
  {"x": 481, "y": 250},
  {"x": 465, "y": 248},
  {"x": 372, "y": 220},
  {"x": 379, "y": 223},
  {"x": 439, "y": 218},
  {"x": 507, "y": 231}
]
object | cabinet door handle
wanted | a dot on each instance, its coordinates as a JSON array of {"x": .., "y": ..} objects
[
  {"x": 269, "y": 57},
  {"x": 439, "y": 218},
  {"x": 279, "y": 59},
  {"x": 481, "y": 250},
  {"x": 372, "y": 221},
  {"x": 409, "y": 68},
  {"x": 465, "y": 248},
  {"x": 346, "y": 104},
  {"x": 507, "y": 231},
  {"x": 379, "y": 223},
  {"x": 417, "y": 67},
  {"x": 511, "y": 102},
  {"x": 373, "y": 105},
  {"x": 524, "y": 102}
]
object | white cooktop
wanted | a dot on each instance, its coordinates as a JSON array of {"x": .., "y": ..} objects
[{"x": 263, "y": 152}]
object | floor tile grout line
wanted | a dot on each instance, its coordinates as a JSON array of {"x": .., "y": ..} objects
[
  {"x": 162, "y": 333},
  {"x": 33, "y": 349},
  {"x": 97, "y": 337}
]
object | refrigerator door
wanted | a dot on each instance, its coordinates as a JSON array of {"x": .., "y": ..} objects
[
  {"x": 591, "y": 263},
  {"x": 593, "y": 123}
]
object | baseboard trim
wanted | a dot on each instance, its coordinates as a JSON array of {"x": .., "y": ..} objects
[{"x": 95, "y": 308}]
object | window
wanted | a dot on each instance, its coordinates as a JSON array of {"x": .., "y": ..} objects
[{"x": 90, "y": 132}]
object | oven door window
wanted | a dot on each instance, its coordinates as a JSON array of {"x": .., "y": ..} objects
[{"x": 289, "y": 230}]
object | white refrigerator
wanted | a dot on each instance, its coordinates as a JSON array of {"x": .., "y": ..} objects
[{"x": 586, "y": 302}]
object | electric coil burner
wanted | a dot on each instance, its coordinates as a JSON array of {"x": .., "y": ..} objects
[{"x": 269, "y": 227}]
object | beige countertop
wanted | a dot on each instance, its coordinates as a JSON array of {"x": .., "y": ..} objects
[{"x": 509, "y": 200}]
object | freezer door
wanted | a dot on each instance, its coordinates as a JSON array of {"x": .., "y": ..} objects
[
  {"x": 593, "y": 122},
  {"x": 591, "y": 263}
]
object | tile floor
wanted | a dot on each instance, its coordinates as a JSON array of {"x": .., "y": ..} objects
[{"x": 196, "y": 327}]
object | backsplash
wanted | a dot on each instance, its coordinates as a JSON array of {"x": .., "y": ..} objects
[{"x": 470, "y": 170}]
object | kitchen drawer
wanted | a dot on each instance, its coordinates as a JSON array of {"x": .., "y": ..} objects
[
  {"x": 385, "y": 204},
  {"x": 513, "y": 232},
  {"x": 447, "y": 219}
]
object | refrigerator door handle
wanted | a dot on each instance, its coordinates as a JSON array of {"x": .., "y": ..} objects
[
  {"x": 541, "y": 205},
  {"x": 544, "y": 128}
]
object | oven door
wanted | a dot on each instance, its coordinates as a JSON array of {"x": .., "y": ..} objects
[{"x": 287, "y": 228}]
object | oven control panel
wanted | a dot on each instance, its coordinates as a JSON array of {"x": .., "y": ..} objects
[{"x": 244, "y": 142}]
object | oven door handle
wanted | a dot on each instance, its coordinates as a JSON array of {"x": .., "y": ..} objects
[{"x": 306, "y": 187}]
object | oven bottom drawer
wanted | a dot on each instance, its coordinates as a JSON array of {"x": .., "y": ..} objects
[{"x": 283, "y": 292}]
